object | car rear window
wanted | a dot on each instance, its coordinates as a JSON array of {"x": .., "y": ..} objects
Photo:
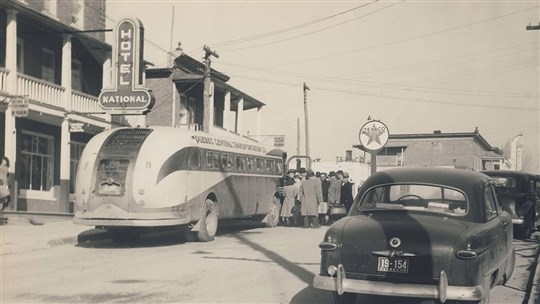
[
  {"x": 504, "y": 182},
  {"x": 424, "y": 198}
]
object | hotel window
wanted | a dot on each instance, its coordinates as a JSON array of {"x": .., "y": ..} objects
[
  {"x": 76, "y": 75},
  {"x": 75, "y": 156},
  {"x": 47, "y": 69},
  {"x": 37, "y": 161},
  {"x": 20, "y": 55}
]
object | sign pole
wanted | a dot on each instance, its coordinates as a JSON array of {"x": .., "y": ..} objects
[{"x": 373, "y": 162}]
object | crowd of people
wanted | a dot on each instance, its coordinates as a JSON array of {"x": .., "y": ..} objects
[{"x": 315, "y": 198}]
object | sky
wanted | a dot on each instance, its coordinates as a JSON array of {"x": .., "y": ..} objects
[{"x": 417, "y": 66}]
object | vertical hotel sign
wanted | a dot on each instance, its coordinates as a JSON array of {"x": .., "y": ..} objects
[{"x": 128, "y": 95}]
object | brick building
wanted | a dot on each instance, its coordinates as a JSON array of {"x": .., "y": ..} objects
[{"x": 468, "y": 150}]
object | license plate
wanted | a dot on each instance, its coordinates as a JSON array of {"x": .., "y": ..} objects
[
  {"x": 393, "y": 265},
  {"x": 113, "y": 189}
]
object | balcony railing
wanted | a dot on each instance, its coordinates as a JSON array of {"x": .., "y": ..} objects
[
  {"x": 40, "y": 90},
  {"x": 86, "y": 104},
  {"x": 51, "y": 94}
]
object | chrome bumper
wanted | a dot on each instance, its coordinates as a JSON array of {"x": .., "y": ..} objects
[{"x": 442, "y": 292}]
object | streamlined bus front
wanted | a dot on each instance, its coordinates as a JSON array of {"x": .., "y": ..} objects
[{"x": 118, "y": 181}]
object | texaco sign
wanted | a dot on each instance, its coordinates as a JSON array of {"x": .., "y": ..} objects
[
  {"x": 128, "y": 95},
  {"x": 373, "y": 135}
]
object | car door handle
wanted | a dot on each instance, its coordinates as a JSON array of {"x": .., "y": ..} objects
[{"x": 504, "y": 223}]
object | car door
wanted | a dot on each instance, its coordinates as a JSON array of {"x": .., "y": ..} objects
[{"x": 502, "y": 228}]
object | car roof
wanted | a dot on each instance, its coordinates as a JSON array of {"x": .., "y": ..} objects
[
  {"x": 507, "y": 173},
  {"x": 457, "y": 178}
]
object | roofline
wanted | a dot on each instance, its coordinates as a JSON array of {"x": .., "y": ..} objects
[{"x": 479, "y": 139}]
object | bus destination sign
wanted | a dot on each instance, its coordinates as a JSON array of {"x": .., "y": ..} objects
[{"x": 128, "y": 95}]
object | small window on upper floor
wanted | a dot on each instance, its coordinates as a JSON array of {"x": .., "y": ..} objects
[{"x": 48, "y": 66}]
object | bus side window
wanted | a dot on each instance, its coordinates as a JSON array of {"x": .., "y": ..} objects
[
  {"x": 195, "y": 159},
  {"x": 279, "y": 167},
  {"x": 239, "y": 163},
  {"x": 209, "y": 160},
  {"x": 269, "y": 166},
  {"x": 258, "y": 164},
  {"x": 216, "y": 160},
  {"x": 224, "y": 162},
  {"x": 250, "y": 164},
  {"x": 230, "y": 162}
]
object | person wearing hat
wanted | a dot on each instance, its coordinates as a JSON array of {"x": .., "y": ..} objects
[
  {"x": 289, "y": 193},
  {"x": 334, "y": 190},
  {"x": 310, "y": 195},
  {"x": 346, "y": 197}
]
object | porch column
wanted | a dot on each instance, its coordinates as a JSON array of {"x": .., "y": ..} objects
[
  {"x": 10, "y": 142},
  {"x": 227, "y": 110},
  {"x": 208, "y": 107},
  {"x": 239, "y": 116},
  {"x": 65, "y": 136}
]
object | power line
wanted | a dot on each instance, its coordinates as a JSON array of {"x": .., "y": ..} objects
[
  {"x": 406, "y": 39},
  {"x": 312, "y": 32},
  {"x": 277, "y": 32},
  {"x": 400, "y": 98}
]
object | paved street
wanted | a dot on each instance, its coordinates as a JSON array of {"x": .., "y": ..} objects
[{"x": 59, "y": 262}]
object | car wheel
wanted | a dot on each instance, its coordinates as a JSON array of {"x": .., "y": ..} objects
[
  {"x": 208, "y": 221},
  {"x": 345, "y": 298},
  {"x": 272, "y": 219}
]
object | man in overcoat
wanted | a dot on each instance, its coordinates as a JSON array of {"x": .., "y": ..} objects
[{"x": 310, "y": 196}]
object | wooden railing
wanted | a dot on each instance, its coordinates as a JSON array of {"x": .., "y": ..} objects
[
  {"x": 40, "y": 90},
  {"x": 86, "y": 104}
]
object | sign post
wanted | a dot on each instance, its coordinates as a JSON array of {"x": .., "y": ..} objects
[
  {"x": 128, "y": 95},
  {"x": 373, "y": 137}
]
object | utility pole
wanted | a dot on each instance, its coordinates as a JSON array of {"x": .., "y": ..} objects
[
  {"x": 169, "y": 55},
  {"x": 208, "y": 89},
  {"x": 306, "y": 88},
  {"x": 298, "y": 136}
]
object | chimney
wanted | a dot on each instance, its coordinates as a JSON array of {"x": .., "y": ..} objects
[{"x": 348, "y": 155}]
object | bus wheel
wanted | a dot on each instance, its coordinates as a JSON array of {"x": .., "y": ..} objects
[
  {"x": 123, "y": 235},
  {"x": 272, "y": 218},
  {"x": 208, "y": 222}
]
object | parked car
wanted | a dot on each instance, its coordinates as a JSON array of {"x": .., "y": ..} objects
[
  {"x": 518, "y": 196},
  {"x": 420, "y": 232}
]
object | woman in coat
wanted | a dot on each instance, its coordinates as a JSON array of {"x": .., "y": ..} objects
[{"x": 290, "y": 191}]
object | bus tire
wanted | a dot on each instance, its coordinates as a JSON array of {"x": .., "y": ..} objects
[
  {"x": 208, "y": 222},
  {"x": 272, "y": 218}
]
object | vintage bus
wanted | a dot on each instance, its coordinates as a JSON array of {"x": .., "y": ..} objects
[{"x": 131, "y": 179}]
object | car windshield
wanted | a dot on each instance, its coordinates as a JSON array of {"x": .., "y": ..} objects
[{"x": 426, "y": 198}]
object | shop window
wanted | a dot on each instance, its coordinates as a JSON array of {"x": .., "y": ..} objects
[
  {"x": 75, "y": 155},
  {"x": 37, "y": 161}
]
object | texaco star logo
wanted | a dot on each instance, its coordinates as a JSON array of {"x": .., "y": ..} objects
[{"x": 373, "y": 135}]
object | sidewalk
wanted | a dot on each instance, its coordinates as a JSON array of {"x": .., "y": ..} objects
[
  {"x": 535, "y": 290},
  {"x": 30, "y": 233}
]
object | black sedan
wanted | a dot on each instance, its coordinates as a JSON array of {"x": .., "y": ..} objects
[
  {"x": 420, "y": 232},
  {"x": 518, "y": 196}
]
